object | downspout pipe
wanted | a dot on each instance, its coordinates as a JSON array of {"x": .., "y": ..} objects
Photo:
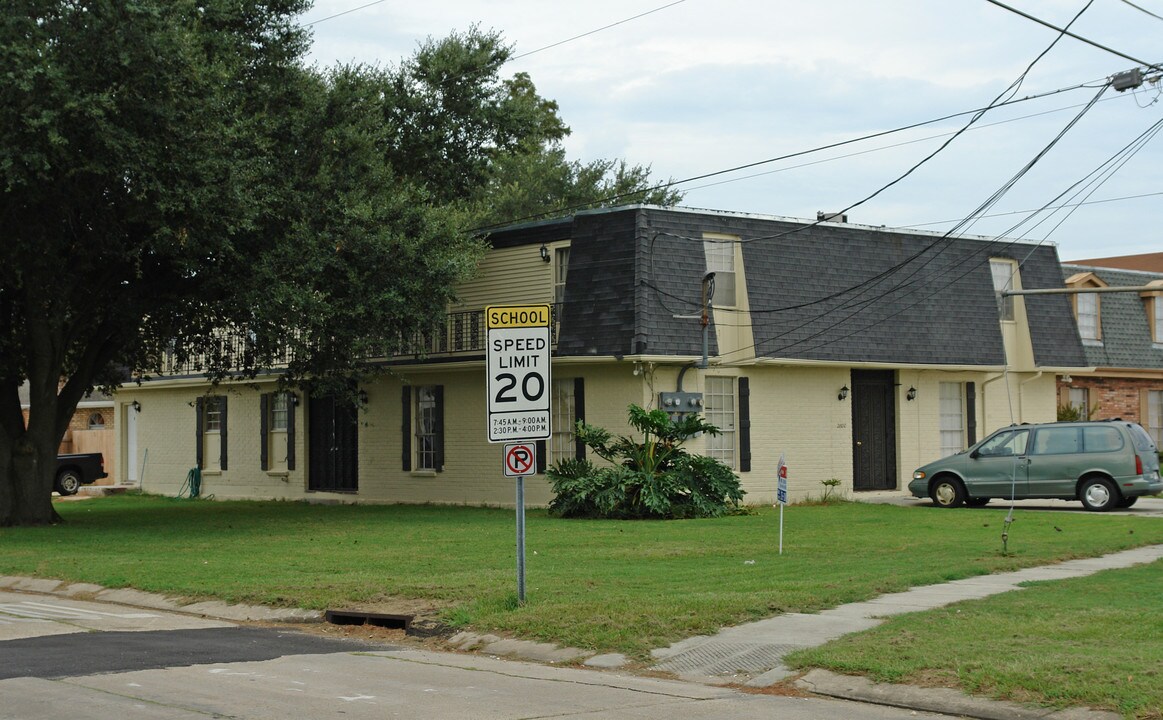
[{"x": 1022, "y": 395}]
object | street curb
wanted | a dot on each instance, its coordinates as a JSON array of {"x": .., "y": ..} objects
[
  {"x": 136, "y": 598},
  {"x": 939, "y": 700}
]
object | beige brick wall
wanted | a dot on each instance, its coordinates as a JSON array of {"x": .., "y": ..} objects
[{"x": 794, "y": 411}]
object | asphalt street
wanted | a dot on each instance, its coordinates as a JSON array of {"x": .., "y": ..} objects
[{"x": 68, "y": 659}]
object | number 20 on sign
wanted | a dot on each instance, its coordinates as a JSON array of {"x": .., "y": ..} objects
[{"x": 518, "y": 359}]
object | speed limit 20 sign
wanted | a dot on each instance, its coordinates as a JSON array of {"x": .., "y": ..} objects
[{"x": 518, "y": 357}]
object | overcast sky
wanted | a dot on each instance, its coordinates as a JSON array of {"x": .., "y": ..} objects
[{"x": 700, "y": 86}]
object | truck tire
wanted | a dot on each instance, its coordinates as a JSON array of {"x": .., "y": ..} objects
[{"x": 68, "y": 482}]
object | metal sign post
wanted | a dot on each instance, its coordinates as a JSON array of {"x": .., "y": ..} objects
[
  {"x": 517, "y": 358},
  {"x": 781, "y": 495},
  {"x": 520, "y": 460}
]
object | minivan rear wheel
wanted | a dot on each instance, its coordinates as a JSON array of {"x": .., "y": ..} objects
[
  {"x": 1098, "y": 494},
  {"x": 947, "y": 492}
]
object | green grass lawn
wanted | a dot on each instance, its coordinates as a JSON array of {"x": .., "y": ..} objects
[
  {"x": 608, "y": 585},
  {"x": 1095, "y": 641}
]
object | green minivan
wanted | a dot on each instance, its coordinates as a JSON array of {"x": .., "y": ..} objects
[{"x": 1103, "y": 463}]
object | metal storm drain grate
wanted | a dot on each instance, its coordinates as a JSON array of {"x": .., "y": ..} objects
[
  {"x": 719, "y": 658},
  {"x": 356, "y": 617}
]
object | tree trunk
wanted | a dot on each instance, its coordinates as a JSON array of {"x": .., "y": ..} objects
[
  {"x": 28, "y": 456},
  {"x": 26, "y": 492}
]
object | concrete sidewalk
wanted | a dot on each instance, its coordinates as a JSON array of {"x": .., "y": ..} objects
[{"x": 750, "y": 654}]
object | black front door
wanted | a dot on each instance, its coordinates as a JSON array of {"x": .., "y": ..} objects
[
  {"x": 873, "y": 430},
  {"x": 333, "y": 445}
]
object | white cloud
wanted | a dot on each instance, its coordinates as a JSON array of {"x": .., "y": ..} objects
[{"x": 703, "y": 86}]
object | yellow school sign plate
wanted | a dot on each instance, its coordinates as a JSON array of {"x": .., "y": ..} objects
[{"x": 518, "y": 361}]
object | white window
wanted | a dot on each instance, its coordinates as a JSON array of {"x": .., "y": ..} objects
[
  {"x": 278, "y": 450},
  {"x": 1003, "y": 272},
  {"x": 1080, "y": 399},
  {"x": 96, "y": 421},
  {"x": 213, "y": 416},
  {"x": 952, "y": 421},
  {"x": 427, "y": 438},
  {"x": 561, "y": 442},
  {"x": 211, "y": 450},
  {"x": 720, "y": 255},
  {"x": 1088, "y": 326},
  {"x": 1155, "y": 416},
  {"x": 1157, "y": 335},
  {"x": 279, "y": 407},
  {"x": 719, "y": 409}
]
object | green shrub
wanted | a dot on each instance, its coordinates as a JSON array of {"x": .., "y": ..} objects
[{"x": 651, "y": 478}]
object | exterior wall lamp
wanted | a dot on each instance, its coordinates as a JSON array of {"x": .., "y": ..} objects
[
  {"x": 363, "y": 397},
  {"x": 911, "y": 394},
  {"x": 136, "y": 406},
  {"x": 544, "y": 252},
  {"x": 843, "y": 394}
]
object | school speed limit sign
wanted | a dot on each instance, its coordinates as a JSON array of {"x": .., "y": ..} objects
[{"x": 518, "y": 361}]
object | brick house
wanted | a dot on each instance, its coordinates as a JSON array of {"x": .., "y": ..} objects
[
  {"x": 858, "y": 352},
  {"x": 1122, "y": 336},
  {"x": 93, "y": 428}
]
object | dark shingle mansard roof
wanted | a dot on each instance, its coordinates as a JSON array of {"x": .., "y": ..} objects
[
  {"x": 633, "y": 269},
  {"x": 1126, "y": 335}
]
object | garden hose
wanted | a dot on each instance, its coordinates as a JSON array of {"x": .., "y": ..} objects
[{"x": 192, "y": 487}]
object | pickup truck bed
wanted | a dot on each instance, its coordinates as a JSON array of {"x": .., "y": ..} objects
[{"x": 76, "y": 470}]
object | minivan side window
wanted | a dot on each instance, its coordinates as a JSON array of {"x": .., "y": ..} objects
[
  {"x": 1010, "y": 442},
  {"x": 1143, "y": 441},
  {"x": 1101, "y": 439},
  {"x": 1057, "y": 441}
]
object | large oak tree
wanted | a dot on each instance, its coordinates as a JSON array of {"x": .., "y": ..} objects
[{"x": 171, "y": 170}]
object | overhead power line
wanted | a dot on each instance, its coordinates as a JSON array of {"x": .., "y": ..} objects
[
  {"x": 341, "y": 14},
  {"x": 597, "y": 30},
  {"x": 565, "y": 209},
  {"x": 1064, "y": 31},
  {"x": 931, "y": 284},
  {"x": 1143, "y": 10},
  {"x": 1023, "y": 212}
]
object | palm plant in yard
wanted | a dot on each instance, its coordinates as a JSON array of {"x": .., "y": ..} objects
[{"x": 654, "y": 477}]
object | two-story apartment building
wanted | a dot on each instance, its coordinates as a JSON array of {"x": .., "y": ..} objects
[
  {"x": 858, "y": 352},
  {"x": 1122, "y": 336}
]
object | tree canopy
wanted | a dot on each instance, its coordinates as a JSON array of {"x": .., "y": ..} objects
[{"x": 174, "y": 169}]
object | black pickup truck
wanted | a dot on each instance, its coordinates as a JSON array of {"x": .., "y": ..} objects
[{"x": 73, "y": 471}]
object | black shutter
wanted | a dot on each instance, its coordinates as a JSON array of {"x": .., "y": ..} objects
[
  {"x": 439, "y": 392},
  {"x": 199, "y": 434},
  {"x": 292, "y": 403},
  {"x": 406, "y": 426},
  {"x": 579, "y": 411},
  {"x": 264, "y": 404},
  {"x": 541, "y": 459},
  {"x": 744, "y": 425},
  {"x": 222, "y": 431}
]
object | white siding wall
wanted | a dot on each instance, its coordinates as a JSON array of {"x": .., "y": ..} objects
[{"x": 511, "y": 276}]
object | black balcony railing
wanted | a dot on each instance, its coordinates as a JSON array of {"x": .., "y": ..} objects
[{"x": 462, "y": 332}]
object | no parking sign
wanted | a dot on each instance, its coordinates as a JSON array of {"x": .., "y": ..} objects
[{"x": 520, "y": 459}]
